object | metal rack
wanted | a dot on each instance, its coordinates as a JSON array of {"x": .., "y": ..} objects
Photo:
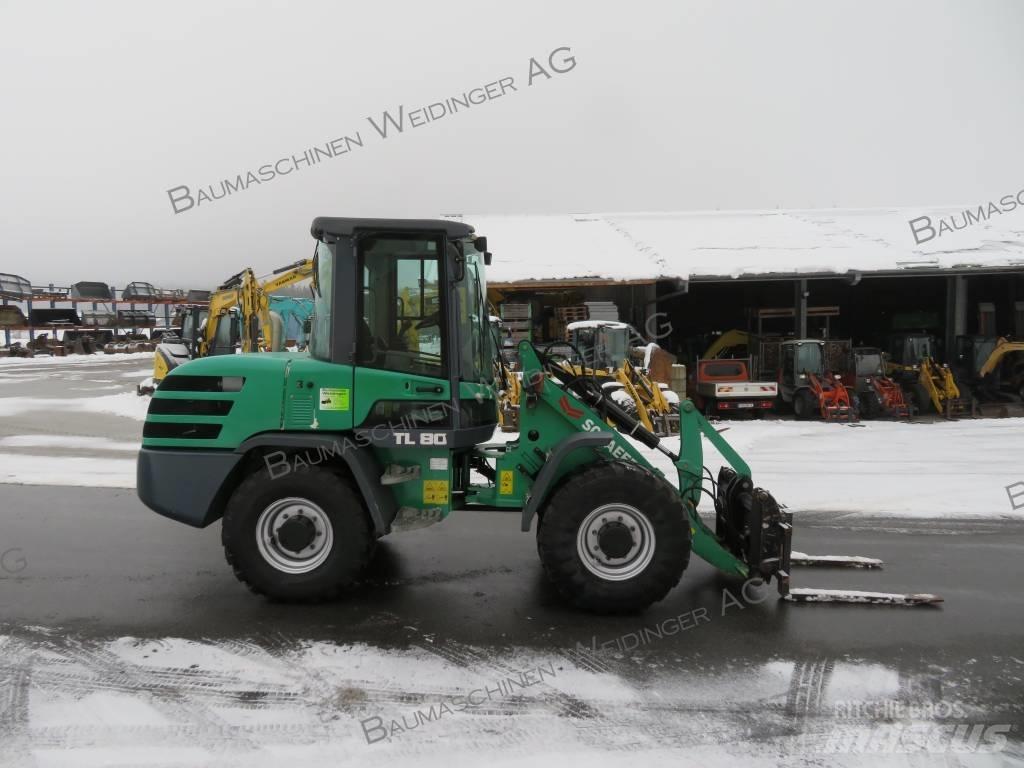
[{"x": 93, "y": 306}]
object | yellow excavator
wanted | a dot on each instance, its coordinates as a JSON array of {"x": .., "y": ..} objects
[
  {"x": 994, "y": 366},
  {"x": 727, "y": 343},
  {"x": 238, "y": 318}
]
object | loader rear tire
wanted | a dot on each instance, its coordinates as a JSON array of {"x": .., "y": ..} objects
[
  {"x": 304, "y": 537},
  {"x": 633, "y": 527}
]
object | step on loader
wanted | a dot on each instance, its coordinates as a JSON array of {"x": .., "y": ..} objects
[{"x": 384, "y": 424}]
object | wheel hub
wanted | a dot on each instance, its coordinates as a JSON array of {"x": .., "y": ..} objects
[
  {"x": 297, "y": 533},
  {"x": 615, "y": 542},
  {"x": 294, "y": 535}
]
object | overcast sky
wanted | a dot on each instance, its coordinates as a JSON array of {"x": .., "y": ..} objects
[{"x": 671, "y": 105}]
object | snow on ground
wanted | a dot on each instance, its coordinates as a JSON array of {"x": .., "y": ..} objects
[
  {"x": 127, "y": 404},
  {"x": 79, "y": 471},
  {"x": 91, "y": 444},
  {"x": 131, "y": 701},
  {"x": 935, "y": 470},
  {"x": 32, "y": 362},
  {"x": 942, "y": 469},
  {"x": 116, "y": 469}
]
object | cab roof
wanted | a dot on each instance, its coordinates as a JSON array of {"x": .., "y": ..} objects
[{"x": 342, "y": 227}]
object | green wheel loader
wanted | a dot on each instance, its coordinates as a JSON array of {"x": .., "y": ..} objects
[{"x": 384, "y": 423}]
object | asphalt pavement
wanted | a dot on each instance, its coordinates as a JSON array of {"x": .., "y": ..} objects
[{"x": 97, "y": 563}]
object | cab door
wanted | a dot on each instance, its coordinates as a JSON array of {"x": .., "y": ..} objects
[{"x": 402, "y": 356}]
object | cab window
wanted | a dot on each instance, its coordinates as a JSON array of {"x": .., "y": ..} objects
[{"x": 401, "y": 317}]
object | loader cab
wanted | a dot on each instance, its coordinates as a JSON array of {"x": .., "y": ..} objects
[
  {"x": 602, "y": 344},
  {"x": 191, "y": 321},
  {"x": 868, "y": 361},
  {"x": 404, "y": 304},
  {"x": 910, "y": 348},
  {"x": 799, "y": 358},
  {"x": 972, "y": 352}
]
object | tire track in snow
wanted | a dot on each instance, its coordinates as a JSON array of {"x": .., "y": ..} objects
[{"x": 15, "y": 682}]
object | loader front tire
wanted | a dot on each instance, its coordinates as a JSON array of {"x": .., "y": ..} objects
[
  {"x": 614, "y": 538},
  {"x": 923, "y": 399},
  {"x": 304, "y": 537},
  {"x": 805, "y": 405}
]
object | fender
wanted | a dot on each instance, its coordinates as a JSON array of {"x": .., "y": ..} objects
[
  {"x": 546, "y": 476},
  {"x": 364, "y": 466}
]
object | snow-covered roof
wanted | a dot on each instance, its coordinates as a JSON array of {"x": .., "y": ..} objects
[{"x": 693, "y": 245}]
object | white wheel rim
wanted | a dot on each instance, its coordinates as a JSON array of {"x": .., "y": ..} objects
[
  {"x": 286, "y": 560},
  {"x": 599, "y": 562}
]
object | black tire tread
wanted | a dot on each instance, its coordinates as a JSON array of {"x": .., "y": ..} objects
[
  {"x": 311, "y": 476},
  {"x": 600, "y": 483}
]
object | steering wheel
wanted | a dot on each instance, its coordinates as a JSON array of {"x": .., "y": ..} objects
[{"x": 429, "y": 320}]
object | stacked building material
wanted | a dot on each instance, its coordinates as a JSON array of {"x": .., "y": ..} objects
[
  {"x": 601, "y": 310},
  {"x": 516, "y": 326}
]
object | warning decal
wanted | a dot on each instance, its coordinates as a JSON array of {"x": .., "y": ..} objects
[
  {"x": 334, "y": 399},
  {"x": 435, "y": 491}
]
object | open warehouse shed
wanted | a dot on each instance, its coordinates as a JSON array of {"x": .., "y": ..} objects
[{"x": 857, "y": 274}]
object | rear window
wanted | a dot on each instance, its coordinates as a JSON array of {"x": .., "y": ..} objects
[{"x": 725, "y": 369}]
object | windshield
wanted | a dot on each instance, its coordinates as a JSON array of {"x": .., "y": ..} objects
[
  {"x": 320, "y": 327},
  {"x": 982, "y": 350},
  {"x": 602, "y": 347},
  {"x": 476, "y": 341},
  {"x": 869, "y": 364},
  {"x": 808, "y": 358},
  {"x": 918, "y": 347}
]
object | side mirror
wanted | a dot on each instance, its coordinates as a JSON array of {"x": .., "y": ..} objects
[
  {"x": 487, "y": 258},
  {"x": 480, "y": 244}
]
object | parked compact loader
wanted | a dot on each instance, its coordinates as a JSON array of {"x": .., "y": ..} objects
[
  {"x": 310, "y": 457},
  {"x": 602, "y": 349},
  {"x": 809, "y": 385},
  {"x": 878, "y": 394},
  {"x": 933, "y": 385}
]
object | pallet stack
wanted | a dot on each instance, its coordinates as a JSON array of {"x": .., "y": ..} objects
[
  {"x": 564, "y": 316},
  {"x": 517, "y": 325}
]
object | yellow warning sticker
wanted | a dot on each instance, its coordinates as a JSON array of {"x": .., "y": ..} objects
[
  {"x": 435, "y": 491},
  {"x": 505, "y": 483}
]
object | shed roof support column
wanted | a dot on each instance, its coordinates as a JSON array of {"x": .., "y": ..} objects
[
  {"x": 800, "y": 309},
  {"x": 956, "y": 311}
]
